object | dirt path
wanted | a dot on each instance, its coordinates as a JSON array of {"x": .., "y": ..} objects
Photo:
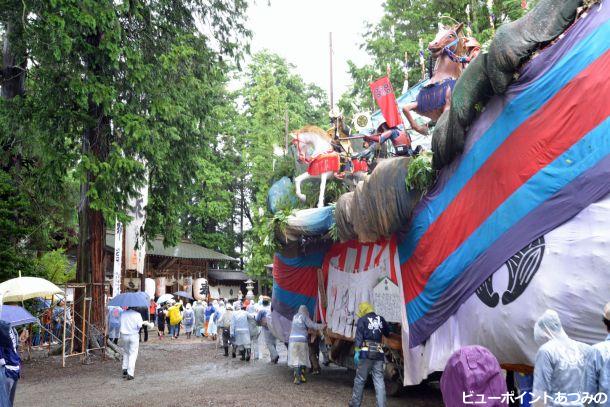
[{"x": 178, "y": 373}]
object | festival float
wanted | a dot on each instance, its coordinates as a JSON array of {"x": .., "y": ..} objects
[{"x": 508, "y": 215}]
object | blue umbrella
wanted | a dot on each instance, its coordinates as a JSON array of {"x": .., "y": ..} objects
[
  {"x": 41, "y": 304},
  {"x": 16, "y": 315},
  {"x": 183, "y": 294},
  {"x": 137, "y": 299}
]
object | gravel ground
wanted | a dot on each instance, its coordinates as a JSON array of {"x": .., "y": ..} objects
[{"x": 191, "y": 372}]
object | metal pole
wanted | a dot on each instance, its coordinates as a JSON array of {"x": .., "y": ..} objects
[
  {"x": 332, "y": 99},
  {"x": 83, "y": 336},
  {"x": 422, "y": 61},
  {"x": 72, "y": 326},
  {"x": 406, "y": 85},
  {"x": 372, "y": 97},
  {"x": 63, "y": 337},
  {"x": 286, "y": 132}
]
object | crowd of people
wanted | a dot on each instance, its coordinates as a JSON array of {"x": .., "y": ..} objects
[
  {"x": 236, "y": 326},
  {"x": 566, "y": 372}
]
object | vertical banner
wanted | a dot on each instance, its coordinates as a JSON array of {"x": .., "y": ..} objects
[
  {"x": 135, "y": 248},
  {"x": 405, "y": 71},
  {"x": 492, "y": 17},
  {"x": 384, "y": 96},
  {"x": 422, "y": 60},
  {"x": 118, "y": 258}
]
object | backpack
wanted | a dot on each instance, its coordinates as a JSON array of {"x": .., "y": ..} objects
[
  {"x": 189, "y": 318},
  {"x": 261, "y": 318}
]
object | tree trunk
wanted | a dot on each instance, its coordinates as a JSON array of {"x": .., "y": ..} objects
[
  {"x": 90, "y": 221},
  {"x": 13, "y": 66},
  {"x": 90, "y": 252}
]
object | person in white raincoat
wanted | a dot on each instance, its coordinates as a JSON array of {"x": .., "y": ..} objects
[
  {"x": 240, "y": 332},
  {"x": 263, "y": 318},
  {"x": 199, "y": 311},
  {"x": 597, "y": 375},
  {"x": 298, "y": 347},
  {"x": 131, "y": 322},
  {"x": 225, "y": 326},
  {"x": 255, "y": 330},
  {"x": 560, "y": 364}
]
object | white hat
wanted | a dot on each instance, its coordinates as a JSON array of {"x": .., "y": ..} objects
[{"x": 607, "y": 311}]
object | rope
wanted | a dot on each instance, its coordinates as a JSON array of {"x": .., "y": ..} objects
[{"x": 452, "y": 55}]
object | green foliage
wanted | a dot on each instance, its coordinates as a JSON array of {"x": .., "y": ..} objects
[
  {"x": 55, "y": 267},
  {"x": 265, "y": 232},
  {"x": 14, "y": 232},
  {"x": 272, "y": 93},
  {"x": 421, "y": 175},
  {"x": 406, "y": 21},
  {"x": 334, "y": 232},
  {"x": 143, "y": 84}
]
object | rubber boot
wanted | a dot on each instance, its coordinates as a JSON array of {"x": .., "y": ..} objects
[
  {"x": 233, "y": 354},
  {"x": 242, "y": 353},
  {"x": 248, "y": 354},
  {"x": 297, "y": 376},
  {"x": 302, "y": 374},
  {"x": 226, "y": 351}
]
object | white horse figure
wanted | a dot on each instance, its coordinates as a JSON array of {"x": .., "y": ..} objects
[{"x": 314, "y": 148}]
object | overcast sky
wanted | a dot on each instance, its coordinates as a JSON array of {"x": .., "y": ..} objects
[{"x": 298, "y": 31}]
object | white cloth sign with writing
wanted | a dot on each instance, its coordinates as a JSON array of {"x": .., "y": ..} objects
[
  {"x": 353, "y": 272},
  {"x": 387, "y": 300},
  {"x": 135, "y": 247},
  {"x": 118, "y": 258}
]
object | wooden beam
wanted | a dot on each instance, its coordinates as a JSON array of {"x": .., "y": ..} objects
[{"x": 165, "y": 264}]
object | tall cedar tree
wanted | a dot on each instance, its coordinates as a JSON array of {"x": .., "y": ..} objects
[{"x": 110, "y": 86}]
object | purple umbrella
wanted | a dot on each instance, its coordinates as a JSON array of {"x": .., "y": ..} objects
[
  {"x": 16, "y": 315},
  {"x": 183, "y": 294},
  {"x": 136, "y": 299}
]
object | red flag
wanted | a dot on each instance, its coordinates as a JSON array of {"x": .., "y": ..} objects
[{"x": 384, "y": 96}]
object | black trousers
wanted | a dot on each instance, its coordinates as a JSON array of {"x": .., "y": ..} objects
[{"x": 145, "y": 328}]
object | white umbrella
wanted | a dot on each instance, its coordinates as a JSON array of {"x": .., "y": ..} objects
[
  {"x": 23, "y": 288},
  {"x": 164, "y": 298}
]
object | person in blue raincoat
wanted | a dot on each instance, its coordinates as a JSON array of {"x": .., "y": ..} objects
[
  {"x": 209, "y": 312},
  {"x": 5, "y": 341},
  {"x": 12, "y": 364},
  {"x": 368, "y": 355},
  {"x": 114, "y": 323}
]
